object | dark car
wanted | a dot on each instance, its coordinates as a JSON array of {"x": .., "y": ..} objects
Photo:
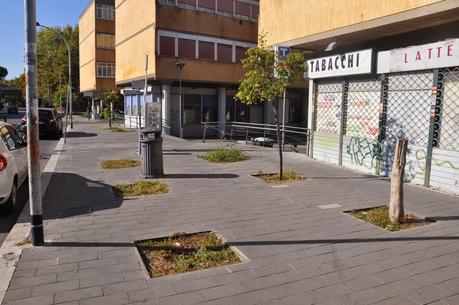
[
  {"x": 49, "y": 122},
  {"x": 12, "y": 110}
]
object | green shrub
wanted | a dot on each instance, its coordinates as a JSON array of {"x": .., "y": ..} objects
[{"x": 223, "y": 155}]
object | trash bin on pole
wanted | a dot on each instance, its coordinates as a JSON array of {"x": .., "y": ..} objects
[{"x": 151, "y": 153}]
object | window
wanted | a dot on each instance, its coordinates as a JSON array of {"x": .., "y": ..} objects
[
  {"x": 210, "y": 108},
  {"x": 105, "y": 12},
  {"x": 206, "y": 50},
  {"x": 240, "y": 54},
  {"x": 242, "y": 9},
  {"x": 225, "y": 53},
  {"x": 186, "y": 48},
  {"x": 166, "y": 46},
  {"x": 207, "y": 4},
  {"x": 225, "y": 6},
  {"x": 229, "y": 115},
  {"x": 106, "y": 69},
  {"x": 11, "y": 138},
  {"x": 105, "y": 41},
  {"x": 192, "y": 109}
]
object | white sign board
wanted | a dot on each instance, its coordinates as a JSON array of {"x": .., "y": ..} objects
[
  {"x": 352, "y": 63},
  {"x": 423, "y": 57}
]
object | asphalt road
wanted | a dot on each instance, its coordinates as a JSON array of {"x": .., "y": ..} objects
[{"x": 47, "y": 146}]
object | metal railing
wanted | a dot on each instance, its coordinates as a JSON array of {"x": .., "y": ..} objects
[{"x": 259, "y": 134}]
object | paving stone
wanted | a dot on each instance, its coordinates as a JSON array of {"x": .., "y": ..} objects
[
  {"x": 429, "y": 294},
  {"x": 37, "y": 300},
  {"x": 101, "y": 279},
  {"x": 115, "y": 299},
  {"x": 54, "y": 287},
  {"x": 182, "y": 299},
  {"x": 124, "y": 286},
  {"x": 16, "y": 294},
  {"x": 187, "y": 286},
  {"x": 32, "y": 281},
  {"x": 78, "y": 294}
]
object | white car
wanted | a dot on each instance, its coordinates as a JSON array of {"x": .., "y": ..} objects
[{"x": 13, "y": 165}]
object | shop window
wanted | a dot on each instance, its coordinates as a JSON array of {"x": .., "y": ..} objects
[
  {"x": 167, "y": 46},
  {"x": 255, "y": 11},
  {"x": 295, "y": 107},
  {"x": 242, "y": 9},
  {"x": 224, "y": 53},
  {"x": 240, "y": 54},
  {"x": 242, "y": 112},
  {"x": 225, "y": 6},
  {"x": 207, "y": 4},
  {"x": 230, "y": 104},
  {"x": 192, "y": 109},
  {"x": 210, "y": 108},
  {"x": 186, "y": 48},
  {"x": 206, "y": 50}
]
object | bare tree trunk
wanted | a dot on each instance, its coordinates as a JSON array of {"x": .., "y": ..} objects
[
  {"x": 110, "y": 106},
  {"x": 279, "y": 140},
  {"x": 396, "y": 209}
]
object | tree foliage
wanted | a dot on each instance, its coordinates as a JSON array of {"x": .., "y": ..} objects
[
  {"x": 268, "y": 76},
  {"x": 52, "y": 61},
  {"x": 3, "y": 72}
]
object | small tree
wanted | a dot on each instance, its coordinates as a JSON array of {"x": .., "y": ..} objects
[
  {"x": 268, "y": 76},
  {"x": 109, "y": 99},
  {"x": 396, "y": 206},
  {"x": 3, "y": 72}
]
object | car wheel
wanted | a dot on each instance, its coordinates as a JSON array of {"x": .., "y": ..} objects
[{"x": 11, "y": 204}]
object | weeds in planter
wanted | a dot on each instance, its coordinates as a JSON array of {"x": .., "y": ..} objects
[
  {"x": 117, "y": 164},
  {"x": 379, "y": 216},
  {"x": 288, "y": 176},
  {"x": 140, "y": 188},
  {"x": 117, "y": 129},
  {"x": 224, "y": 155},
  {"x": 23, "y": 242},
  {"x": 182, "y": 252}
]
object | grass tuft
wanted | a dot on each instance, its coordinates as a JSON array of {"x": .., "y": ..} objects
[
  {"x": 182, "y": 252},
  {"x": 140, "y": 188},
  {"x": 117, "y": 129},
  {"x": 379, "y": 216},
  {"x": 23, "y": 242},
  {"x": 288, "y": 176},
  {"x": 224, "y": 155},
  {"x": 116, "y": 164}
]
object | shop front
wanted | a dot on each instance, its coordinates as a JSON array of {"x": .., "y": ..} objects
[{"x": 363, "y": 101}]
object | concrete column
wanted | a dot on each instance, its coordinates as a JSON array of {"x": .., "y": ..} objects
[
  {"x": 93, "y": 110},
  {"x": 310, "y": 103},
  {"x": 101, "y": 109},
  {"x": 221, "y": 110},
  {"x": 165, "y": 107},
  {"x": 268, "y": 113}
]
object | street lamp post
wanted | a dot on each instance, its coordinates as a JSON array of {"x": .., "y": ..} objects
[
  {"x": 69, "y": 98},
  {"x": 180, "y": 66}
]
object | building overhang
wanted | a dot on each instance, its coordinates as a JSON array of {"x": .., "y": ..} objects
[{"x": 424, "y": 17}]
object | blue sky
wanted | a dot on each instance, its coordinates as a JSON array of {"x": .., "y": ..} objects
[{"x": 49, "y": 12}]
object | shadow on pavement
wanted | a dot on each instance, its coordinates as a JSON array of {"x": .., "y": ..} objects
[
  {"x": 199, "y": 176},
  {"x": 267, "y": 242},
  {"x": 71, "y": 195},
  {"x": 79, "y": 134}
]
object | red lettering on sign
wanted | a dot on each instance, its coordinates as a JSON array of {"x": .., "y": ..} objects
[
  {"x": 418, "y": 56},
  {"x": 406, "y": 59},
  {"x": 430, "y": 52},
  {"x": 438, "y": 51},
  {"x": 450, "y": 50}
]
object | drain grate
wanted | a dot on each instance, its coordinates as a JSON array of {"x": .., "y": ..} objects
[{"x": 74, "y": 212}]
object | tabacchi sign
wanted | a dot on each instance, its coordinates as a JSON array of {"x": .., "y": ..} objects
[
  {"x": 351, "y": 63},
  {"x": 423, "y": 57}
]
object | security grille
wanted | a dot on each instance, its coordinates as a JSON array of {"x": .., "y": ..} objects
[
  {"x": 408, "y": 107},
  {"x": 446, "y": 128},
  {"x": 329, "y": 97},
  {"x": 363, "y": 100}
]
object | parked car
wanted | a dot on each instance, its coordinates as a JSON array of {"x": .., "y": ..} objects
[
  {"x": 12, "y": 109},
  {"x": 49, "y": 123},
  {"x": 13, "y": 165}
]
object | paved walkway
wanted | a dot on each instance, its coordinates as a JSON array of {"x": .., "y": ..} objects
[{"x": 298, "y": 252}]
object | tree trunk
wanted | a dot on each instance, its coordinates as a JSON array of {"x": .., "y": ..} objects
[
  {"x": 396, "y": 209},
  {"x": 110, "y": 114},
  {"x": 279, "y": 140}
]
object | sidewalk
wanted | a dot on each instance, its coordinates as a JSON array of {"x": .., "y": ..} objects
[{"x": 298, "y": 252}]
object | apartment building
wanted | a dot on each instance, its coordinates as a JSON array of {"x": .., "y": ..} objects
[
  {"x": 97, "y": 47},
  {"x": 194, "y": 47},
  {"x": 378, "y": 70}
]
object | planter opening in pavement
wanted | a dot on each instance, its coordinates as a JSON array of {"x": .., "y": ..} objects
[
  {"x": 379, "y": 216},
  {"x": 273, "y": 178},
  {"x": 117, "y": 164},
  {"x": 181, "y": 252},
  {"x": 224, "y": 155},
  {"x": 140, "y": 188}
]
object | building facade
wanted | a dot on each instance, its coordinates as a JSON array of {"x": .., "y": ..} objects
[
  {"x": 97, "y": 47},
  {"x": 194, "y": 47},
  {"x": 391, "y": 70}
]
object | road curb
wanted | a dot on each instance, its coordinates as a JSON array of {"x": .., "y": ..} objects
[{"x": 10, "y": 252}]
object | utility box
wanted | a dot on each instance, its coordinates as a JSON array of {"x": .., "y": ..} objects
[{"x": 151, "y": 153}]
